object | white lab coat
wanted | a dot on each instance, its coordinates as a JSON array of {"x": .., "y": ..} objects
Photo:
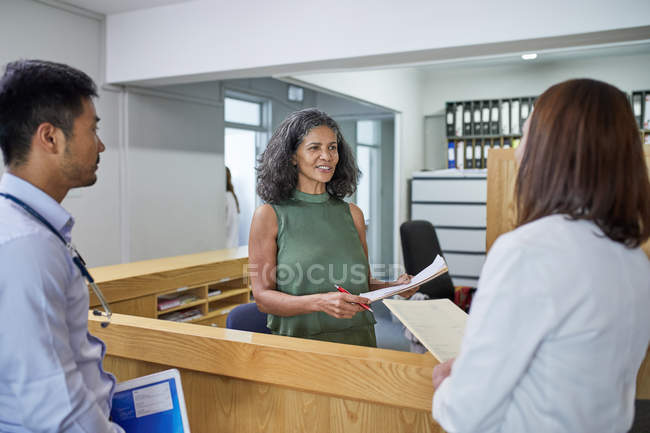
[
  {"x": 557, "y": 331},
  {"x": 232, "y": 221}
]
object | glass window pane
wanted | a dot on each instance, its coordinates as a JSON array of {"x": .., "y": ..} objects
[
  {"x": 238, "y": 111},
  {"x": 368, "y": 132},
  {"x": 363, "y": 189},
  {"x": 240, "y": 159}
]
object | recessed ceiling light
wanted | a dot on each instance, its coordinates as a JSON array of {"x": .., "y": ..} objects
[{"x": 531, "y": 56}]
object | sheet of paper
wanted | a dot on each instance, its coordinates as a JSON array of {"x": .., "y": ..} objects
[
  {"x": 439, "y": 324},
  {"x": 152, "y": 399},
  {"x": 438, "y": 267}
]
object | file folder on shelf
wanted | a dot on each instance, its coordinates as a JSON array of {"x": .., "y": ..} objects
[
  {"x": 476, "y": 121},
  {"x": 469, "y": 154},
  {"x": 458, "y": 129},
  {"x": 467, "y": 119},
  {"x": 494, "y": 118},
  {"x": 485, "y": 118},
  {"x": 450, "y": 119},
  {"x": 451, "y": 154},
  {"x": 525, "y": 110},
  {"x": 646, "y": 112},
  {"x": 478, "y": 153},
  {"x": 505, "y": 117},
  {"x": 486, "y": 148},
  {"x": 637, "y": 108},
  {"x": 515, "y": 117},
  {"x": 460, "y": 155}
]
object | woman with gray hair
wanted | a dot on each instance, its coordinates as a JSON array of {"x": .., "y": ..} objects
[{"x": 306, "y": 240}]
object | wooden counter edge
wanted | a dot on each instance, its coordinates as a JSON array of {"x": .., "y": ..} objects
[
  {"x": 389, "y": 377},
  {"x": 166, "y": 264}
]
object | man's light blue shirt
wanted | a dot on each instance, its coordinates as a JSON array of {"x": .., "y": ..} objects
[{"x": 51, "y": 375}]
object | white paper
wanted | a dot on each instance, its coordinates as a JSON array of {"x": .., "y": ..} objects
[
  {"x": 152, "y": 399},
  {"x": 436, "y": 268},
  {"x": 438, "y": 324}
]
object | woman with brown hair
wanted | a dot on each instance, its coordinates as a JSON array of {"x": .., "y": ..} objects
[{"x": 559, "y": 325}]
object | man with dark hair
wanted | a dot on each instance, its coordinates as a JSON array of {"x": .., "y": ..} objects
[{"x": 51, "y": 375}]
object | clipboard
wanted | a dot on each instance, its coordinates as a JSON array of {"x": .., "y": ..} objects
[
  {"x": 152, "y": 403},
  {"x": 438, "y": 324}
]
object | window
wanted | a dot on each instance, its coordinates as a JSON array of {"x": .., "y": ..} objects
[
  {"x": 246, "y": 131},
  {"x": 369, "y": 188},
  {"x": 244, "y": 112}
]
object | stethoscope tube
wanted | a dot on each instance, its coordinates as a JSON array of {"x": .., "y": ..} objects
[{"x": 76, "y": 257}]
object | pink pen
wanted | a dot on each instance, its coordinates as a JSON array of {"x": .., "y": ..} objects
[{"x": 342, "y": 290}]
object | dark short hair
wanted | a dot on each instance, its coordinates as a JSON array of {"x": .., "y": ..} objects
[
  {"x": 277, "y": 177},
  {"x": 584, "y": 158},
  {"x": 33, "y": 92}
]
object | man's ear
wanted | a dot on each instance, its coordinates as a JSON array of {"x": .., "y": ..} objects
[{"x": 48, "y": 138}]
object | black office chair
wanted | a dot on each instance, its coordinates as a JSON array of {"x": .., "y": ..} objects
[
  {"x": 641, "y": 417},
  {"x": 420, "y": 246},
  {"x": 247, "y": 317}
]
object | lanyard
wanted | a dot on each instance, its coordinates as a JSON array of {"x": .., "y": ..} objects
[{"x": 76, "y": 257}]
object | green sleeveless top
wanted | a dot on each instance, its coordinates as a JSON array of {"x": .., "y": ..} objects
[{"x": 319, "y": 246}]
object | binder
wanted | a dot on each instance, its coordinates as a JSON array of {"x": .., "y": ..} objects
[
  {"x": 515, "y": 142},
  {"x": 460, "y": 155},
  {"x": 469, "y": 154},
  {"x": 476, "y": 121},
  {"x": 451, "y": 154},
  {"x": 485, "y": 118},
  {"x": 637, "y": 108},
  {"x": 496, "y": 143},
  {"x": 515, "y": 117},
  {"x": 458, "y": 129},
  {"x": 450, "y": 119},
  {"x": 505, "y": 117},
  {"x": 467, "y": 119},
  {"x": 525, "y": 111},
  {"x": 646, "y": 112},
  {"x": 478, "y": 153},
  {"x": 506, "y": 143},
  {"x": 494, "y": 117},
  {"x": 486, "y": 148}
]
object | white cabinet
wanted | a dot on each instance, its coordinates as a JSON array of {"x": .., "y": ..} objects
[{"x": 454, "y": 201}]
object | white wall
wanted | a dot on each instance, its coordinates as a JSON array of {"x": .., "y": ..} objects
[
  {"x": 35, "y": 30},
  {"x": 161, "y": 179},
  {"x": 176, "y": 177},
  {"x": 399, "y": 90},
  {"x": 439, "y": 85},
  {"x": 255, "y": 38}
]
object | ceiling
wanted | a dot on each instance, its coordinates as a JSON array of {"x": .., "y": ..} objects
[
  {"x": 109, "y": 7},
  {"x": 633, "y": 48}
]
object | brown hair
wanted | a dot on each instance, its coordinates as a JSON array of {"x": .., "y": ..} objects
[
  {"x": 231, "y": 188},
  {"x": 583, "y": 158}
]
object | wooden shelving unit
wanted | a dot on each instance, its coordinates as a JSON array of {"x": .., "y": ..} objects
[
  {"x": 474, "y": 127},
  {"x": 139, "y": 288},
  {"x": 213, "y": 309}
]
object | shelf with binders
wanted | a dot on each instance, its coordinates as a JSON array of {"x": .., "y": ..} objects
[
  {"x": 472, "y": 152},
  {"x": 474, "y": 127},
  {"x": 203, "y": 303},
  {"x": 640, "y": 100}
]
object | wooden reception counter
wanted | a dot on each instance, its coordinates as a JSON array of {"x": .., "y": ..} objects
[
  {"x": 209, "y": 283},
  {"x": 243, "y": 382}
]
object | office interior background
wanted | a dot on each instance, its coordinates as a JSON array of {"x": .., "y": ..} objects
[{"x": 189, "y": 86}]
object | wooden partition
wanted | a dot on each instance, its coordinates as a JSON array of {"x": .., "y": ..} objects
[
  {"x": 216, "y": 280},
  {"x": 243, "y": 382},
  {"x": 502, "y": 173}
]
